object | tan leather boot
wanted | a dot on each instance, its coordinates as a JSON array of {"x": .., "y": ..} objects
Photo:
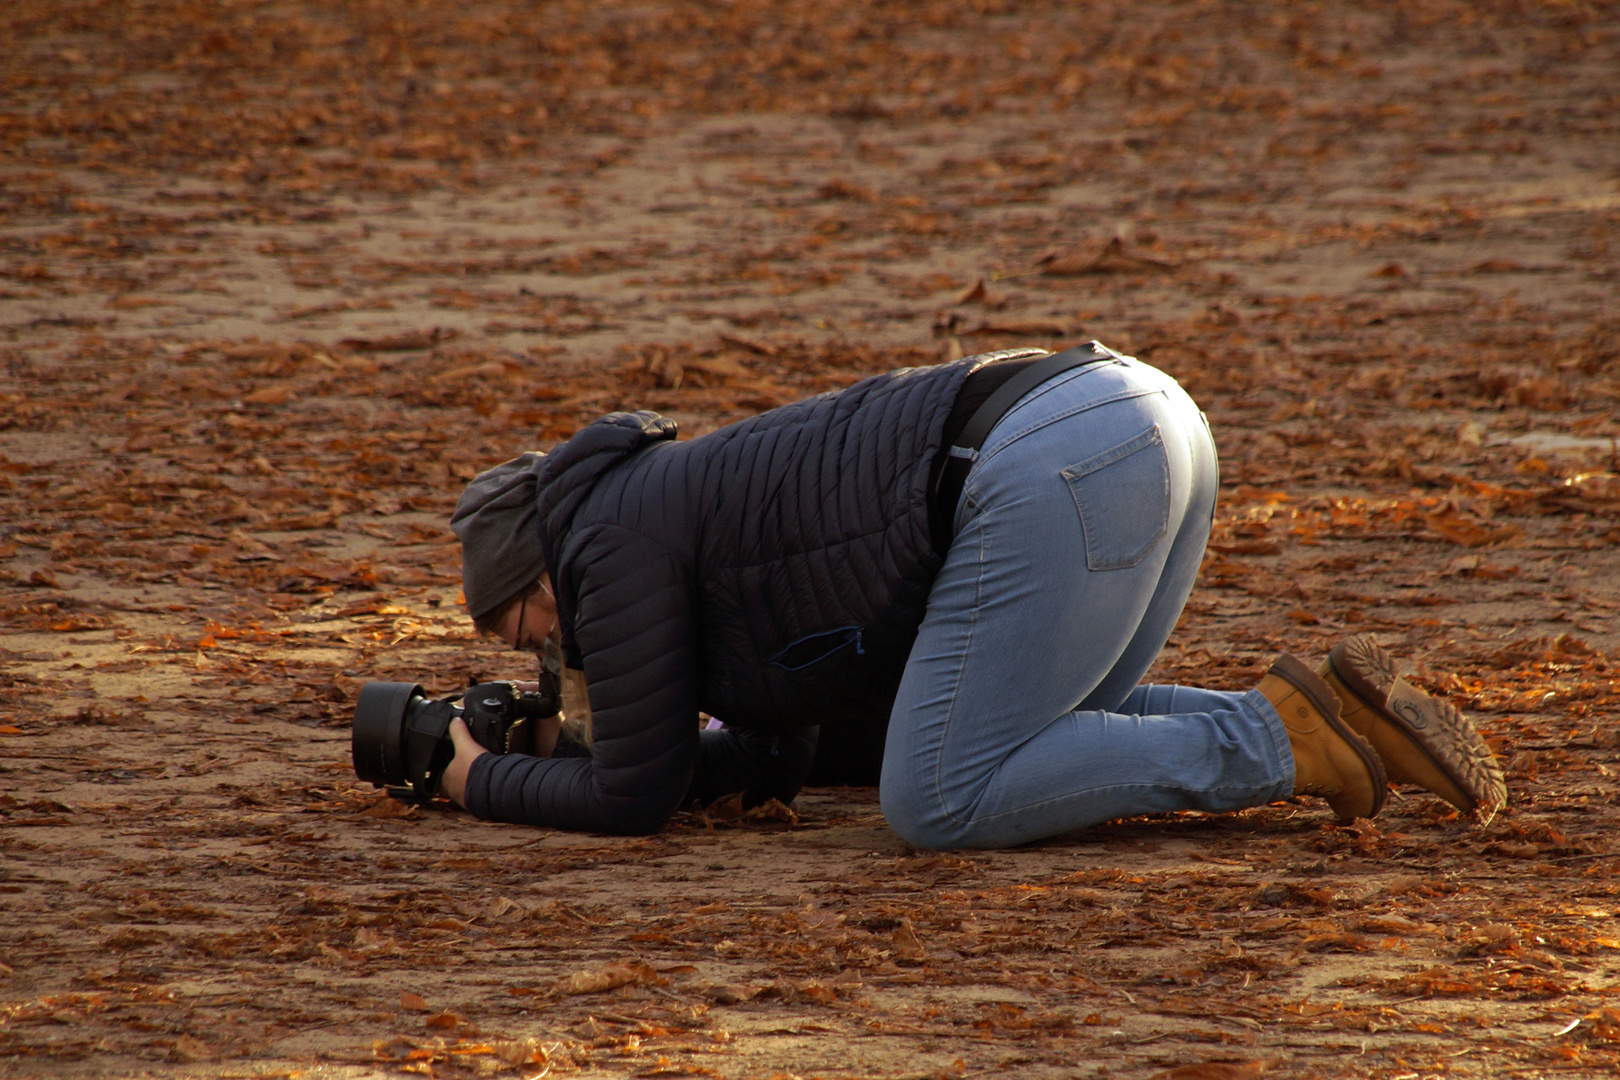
[
  {"x": 1422, "y": 740},
  {"x": 1330, "y": 760}
]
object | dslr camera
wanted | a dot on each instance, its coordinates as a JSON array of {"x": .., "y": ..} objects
[{"x": 401, "y": 737}]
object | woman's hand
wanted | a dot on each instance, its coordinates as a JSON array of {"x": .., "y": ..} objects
[{"x": 454, "y": 783}]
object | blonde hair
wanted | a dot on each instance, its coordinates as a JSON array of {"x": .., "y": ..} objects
[
  {"x": 576, "y": 703},
  {"x": 576, "y": 691}
]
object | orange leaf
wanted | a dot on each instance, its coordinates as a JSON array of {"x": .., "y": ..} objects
[{"x": 269, "y": 395}]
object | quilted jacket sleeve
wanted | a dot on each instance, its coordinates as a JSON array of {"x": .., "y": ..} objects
[{"x": 635, "y": 630}]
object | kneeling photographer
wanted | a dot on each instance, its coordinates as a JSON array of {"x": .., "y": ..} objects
[
  {"x": 538, "y": 768},
  {"x": 957, "y": 575}
]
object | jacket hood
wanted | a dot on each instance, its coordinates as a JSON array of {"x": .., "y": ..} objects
[{"x": 572, "y": 469}]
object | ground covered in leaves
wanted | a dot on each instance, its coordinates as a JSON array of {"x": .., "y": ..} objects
[{"x": 277, "y": 277}]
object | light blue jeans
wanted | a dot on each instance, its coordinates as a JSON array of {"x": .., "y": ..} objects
[{"x": 1079, "y": 535}]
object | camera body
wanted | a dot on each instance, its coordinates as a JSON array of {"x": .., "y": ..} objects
[{"x": 401, "y": 737}]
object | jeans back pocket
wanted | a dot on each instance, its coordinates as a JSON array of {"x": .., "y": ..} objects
[{"x": 1123, "y": 495}]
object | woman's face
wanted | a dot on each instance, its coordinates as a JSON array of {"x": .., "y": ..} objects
[{"x": 530, "y": 621}]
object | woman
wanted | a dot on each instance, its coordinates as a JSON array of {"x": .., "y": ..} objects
[{"x": 984, "y": 556}]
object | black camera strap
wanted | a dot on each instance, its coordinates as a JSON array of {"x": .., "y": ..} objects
[{"x": 965, "y": 451}]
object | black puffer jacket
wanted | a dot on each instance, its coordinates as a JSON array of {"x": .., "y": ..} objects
[{"x": 773, "y": 574}]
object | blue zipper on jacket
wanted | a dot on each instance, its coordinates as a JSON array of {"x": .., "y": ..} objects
[{"x": 850, "y": 634}]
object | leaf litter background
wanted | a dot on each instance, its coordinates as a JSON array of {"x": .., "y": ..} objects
[{"x": 276, "y": 278}]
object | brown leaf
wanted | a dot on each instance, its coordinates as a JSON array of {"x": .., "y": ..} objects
[
  {"x": 413, "y": 1002},
  {"x": 447, "y": 1021},
  {"x": 717, "y": 367},
  {"x": 249, "y": 548},
  {"x": 907, "y": 945},
  {"x": 979, "y": 293},
  {"x": 1399, "y": 925},
  {"x": 753, "y": 345},
  {"x": 1469, "y": 533},
  {"x": 468, "y": 371},
  {"x": 186, "y": 1049},
  {"x": 618, "y": 973},
  {"x": 135, "y": 303},
  {"x": 1247, "y": 547},
  {"x": 269, "y": 395},
  {"x": 726, "y": 808},
  {"x": 838, "y": 188},
  {"x": 815, "y": 990},
  {"x": 1048, "y": 328},
  {"x": 772, "y": 810},
  {"x": 1598, "y": 487},
  {"x": 322, "y": 520},
  {"x": 669, "y": 373},
  {"x": 731, "y": 994},
  {"x": 975, "y": 291},
  {"x": 411, "y": 339},
  {"x": 1525, "y": 765},
  {"x": 506, "y": 909},
  {"x": 1216, "y": 1070},
  {"x": 391, "y": 808},
  {"x": 1112, "y": 259}
]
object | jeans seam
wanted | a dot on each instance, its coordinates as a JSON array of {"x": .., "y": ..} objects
[
  {"x": 956, "y": 689},
  {"x": 1092, "y": 791},
  {"x": 1264, "y": 711}
]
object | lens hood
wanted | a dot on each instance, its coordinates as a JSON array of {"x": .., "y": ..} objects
[{"x": 377, "y": 742}]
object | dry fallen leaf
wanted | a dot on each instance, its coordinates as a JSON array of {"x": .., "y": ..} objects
[
  {"x": 189, "y": 1049},
  {"x": 401, "y": 342},
  {"x": 619, "y": 973},
  {"x": 1047, "y": 328},
  {"x": 1113, "y": 258},
  {"x": 1471, "y": 533},
  {"x": 907, "y": 945},
  {"x": 1216, "y": 1070}
]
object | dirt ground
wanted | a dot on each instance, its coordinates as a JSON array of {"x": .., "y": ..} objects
[{"x": 277, "y": 277}]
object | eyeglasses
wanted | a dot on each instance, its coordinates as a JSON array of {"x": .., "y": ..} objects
[{"x": 523, "y": 609}]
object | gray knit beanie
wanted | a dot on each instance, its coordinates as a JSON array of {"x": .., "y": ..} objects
[{"x": 500, "y": 536}]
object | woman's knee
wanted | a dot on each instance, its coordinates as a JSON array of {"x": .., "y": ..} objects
[{"x": 922, "y": 819}]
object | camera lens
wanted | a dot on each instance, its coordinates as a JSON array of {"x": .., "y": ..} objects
[
  {"x": 377, "y": 742},
  {"x": 401, "y": 737}
]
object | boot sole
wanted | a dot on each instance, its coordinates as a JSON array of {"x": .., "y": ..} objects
[
  {"x": 1429, "y": 726},
  {"x": 1307, "y": 682}
]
